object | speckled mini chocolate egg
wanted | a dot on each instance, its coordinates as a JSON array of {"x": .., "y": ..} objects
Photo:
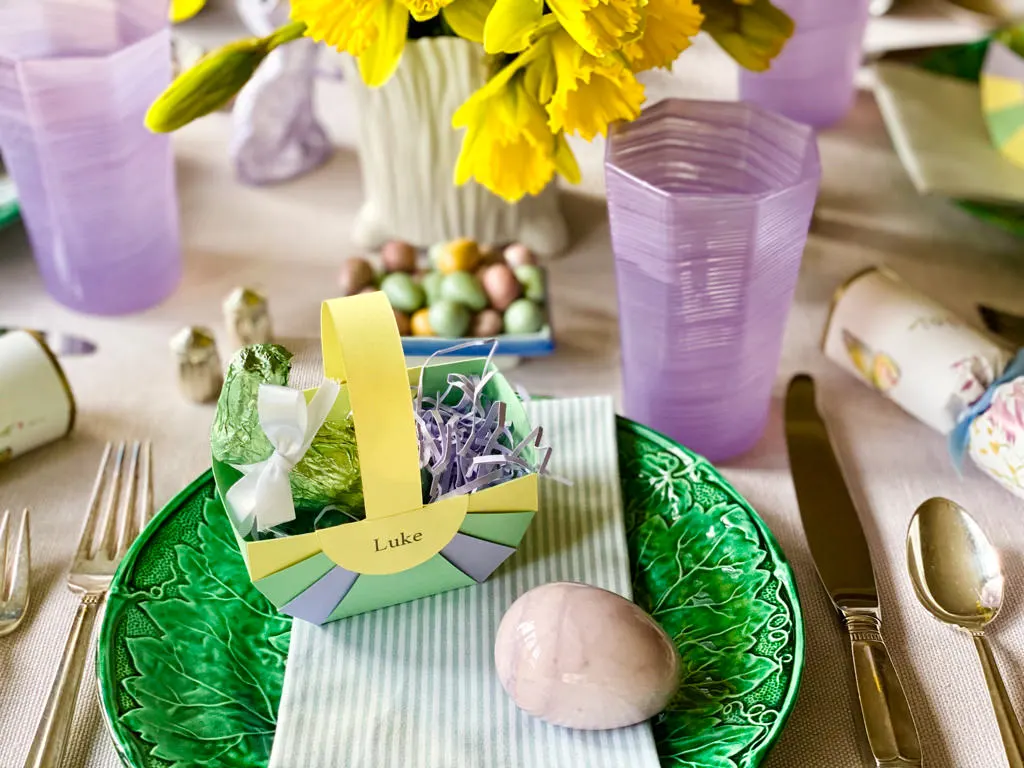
[
  {"x": 523, "y": 316},
  {"x": 431, "y": 282},
  {"x": 486, "y": 323},
  {"x": 518, "y": 255},
  {"x": 531, "y": 277},
  {"x": 449, "y": 318},
  {"x": 356, "y": 273},
  {"x": 500, "y": 285},
  {"x": 420, "y": 323},
  {"x": 462, "y": 255},
  {"x": 490, "y": 254},
  {"x": 465, "y": 289},
  {"x": 398, "y": 256},
  {"x": 403, "y": 292},
  {"x": 403, "y": 322}
]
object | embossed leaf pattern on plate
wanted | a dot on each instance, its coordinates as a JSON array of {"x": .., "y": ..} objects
[
  {"x": 708, "y": 571},
  {"x": 191, "y": 657}
]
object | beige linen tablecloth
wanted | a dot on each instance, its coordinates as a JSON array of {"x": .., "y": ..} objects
[{"x": 289, "y": 240}]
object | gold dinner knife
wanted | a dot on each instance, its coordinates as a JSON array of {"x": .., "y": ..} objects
[{"x": 843, "y": 561}]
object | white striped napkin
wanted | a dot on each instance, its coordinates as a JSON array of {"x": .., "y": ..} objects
[{"x": 414, "y": 686}]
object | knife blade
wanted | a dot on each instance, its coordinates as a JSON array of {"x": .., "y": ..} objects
[
  {"x": 61, "y": 344},
  {"x": 843, "y": 561}
]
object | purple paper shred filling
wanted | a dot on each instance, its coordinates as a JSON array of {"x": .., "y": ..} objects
[{"x": 468, "y": 445}]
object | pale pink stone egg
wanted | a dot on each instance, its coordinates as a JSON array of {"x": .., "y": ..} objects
[{"x": 583, "y": 657}]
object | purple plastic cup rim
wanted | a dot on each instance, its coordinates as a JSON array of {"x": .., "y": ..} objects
[
  {"x": 739, "y": 117},
  {"x": 76, "y": 29}
]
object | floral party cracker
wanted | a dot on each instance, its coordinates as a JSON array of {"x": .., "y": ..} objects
[{"x": 944, "y": 372}]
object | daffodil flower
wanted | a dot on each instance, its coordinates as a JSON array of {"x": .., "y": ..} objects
[
  {"x": 508, "y": 146},
  {"x": 213, "y": 80},
  {"x": 183, "y": 10},
  {"x": 422, "y": 10},
  {"x": 582, "y": 93},
  {"x": 753, "y": 32},
  {"x": 669, "y": 26},
  {"x": 373, "y": 31},
  {"x": 468, "y": 17},
  {"x": 600, "y": 26}
]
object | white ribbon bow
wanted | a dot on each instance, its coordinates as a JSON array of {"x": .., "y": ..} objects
[{"x": 263, "y": 498}]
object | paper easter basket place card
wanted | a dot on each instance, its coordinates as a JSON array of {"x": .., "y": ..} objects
[{"x": 384, "y": 485}]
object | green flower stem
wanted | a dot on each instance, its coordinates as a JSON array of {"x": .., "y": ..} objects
[{"x": 285, "y": 34}]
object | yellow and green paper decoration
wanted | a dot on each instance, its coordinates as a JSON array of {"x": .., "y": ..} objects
[
  {"x": 405, "y": 548},
  {"x": 1002, "y": 98}
]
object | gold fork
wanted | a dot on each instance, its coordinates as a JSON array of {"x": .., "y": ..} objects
[{"x": 118, "y": 510}]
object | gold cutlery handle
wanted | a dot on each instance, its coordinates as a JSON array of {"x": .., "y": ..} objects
[
  {"x": 52, "y": 734},
  {"x": 1009, "y": 726},
  {"x": 888, "y": 721}
]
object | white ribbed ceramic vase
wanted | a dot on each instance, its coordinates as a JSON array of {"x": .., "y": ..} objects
[{"x": 408, "y": 149}]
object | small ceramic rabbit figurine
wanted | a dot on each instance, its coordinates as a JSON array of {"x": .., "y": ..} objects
[{"x": 276, "y": 134}]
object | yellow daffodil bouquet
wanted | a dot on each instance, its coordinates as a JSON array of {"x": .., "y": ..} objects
[{"x": 558, "y": 67}]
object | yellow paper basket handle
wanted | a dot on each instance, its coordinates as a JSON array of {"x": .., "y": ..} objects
[{"x": 362, "y": 349}]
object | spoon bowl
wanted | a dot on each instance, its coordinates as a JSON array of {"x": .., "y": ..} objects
[
  {"x": 956, "y": 571},
  {"x": 958, "y": 577}
]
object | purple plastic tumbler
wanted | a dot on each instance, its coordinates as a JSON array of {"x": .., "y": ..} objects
[
  {"x": 96, "y": 187},
  {"x": 812, "y": 80},
  {"x": 710, "y": 204}
]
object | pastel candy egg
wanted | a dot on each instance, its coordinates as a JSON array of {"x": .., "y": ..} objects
[
  {"x": 532, "y": 279},
  {"x": 462, "y": 255},
  {"x": 489, "y": 254},
  {"x": 403, "y": 292},
  {"x": 488, "y": 322},
  {"x": 402, "y": 321},
  {"x": 449, "y": 318},
  {"x": 398, "y": 256},
  {"x": 420, "y": 323},
  {"x": 464, "y": 288},
  {"x": 431, "y": 282},
  {"x": 500, "y": 285},
  {"x": 523, "y": 316},
  {"x": 518, "y": 255},
  {"x": 582, "y": 657},
  {"x": 434, "y": 254},
  {"x": 356, "y": 274}
]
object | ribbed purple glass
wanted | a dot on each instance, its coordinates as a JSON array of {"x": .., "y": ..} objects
[
  {"x": 710, "y": 204},
  {"x": 96, "y": 187},
  {"x": 812, "y": 80}
]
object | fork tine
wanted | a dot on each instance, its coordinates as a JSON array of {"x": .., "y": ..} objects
[
  {"x": 127, "y": 512},
  {"x": 108, "y": 544},
  {"x": 19, "y": 586},
  {"x": 85, "y": 544},
  {"x": 4, "y": 524},
  {"x": 147, "y": 484}
]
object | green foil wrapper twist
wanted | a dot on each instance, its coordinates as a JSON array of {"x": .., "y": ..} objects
[{"x": 329, "y": 472}]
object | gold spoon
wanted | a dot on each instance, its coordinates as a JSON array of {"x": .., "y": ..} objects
[{"x": 958, "y": 577}]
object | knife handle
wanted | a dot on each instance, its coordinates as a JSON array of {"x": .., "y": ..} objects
[{"x": 890, "y": 727}]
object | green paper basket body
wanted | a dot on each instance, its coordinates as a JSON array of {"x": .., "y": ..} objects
[{"x": 403, "y": 549}]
